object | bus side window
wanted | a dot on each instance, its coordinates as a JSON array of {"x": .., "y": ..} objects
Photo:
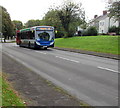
[
  {"x": 32, "y": 36},
  {"x": 21, "y": 35},
  {"x": 27, "y": 35}
]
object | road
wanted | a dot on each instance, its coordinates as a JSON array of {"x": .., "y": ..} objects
[{"x": 89, "y": 78}]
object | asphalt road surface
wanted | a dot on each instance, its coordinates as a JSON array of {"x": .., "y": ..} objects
[{"x": 89, "y": 78}]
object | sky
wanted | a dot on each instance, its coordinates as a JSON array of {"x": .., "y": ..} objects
[{"x": 25, "y": 10}]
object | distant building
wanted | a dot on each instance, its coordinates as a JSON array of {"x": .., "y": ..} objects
[{"x": 103, "y": 22}]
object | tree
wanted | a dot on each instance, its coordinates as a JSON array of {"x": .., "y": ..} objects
[
  {"x": 114, "y": 10},
  {"x": 32, "y": 23},
  {"x": 51, "y": 19},
  {"x": 71, "y": 16},
  {"x": 7, "y": 25},
  {"x": 18, "y": 24}
]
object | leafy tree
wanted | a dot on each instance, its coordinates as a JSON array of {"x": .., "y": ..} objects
[
  {"x": 18, "y": 24},
  {"x": 71, "y": 15},
  {"x": 51, "y": 19},
  {"x": 114, "y": 10},
  {"x": 7, "y": 25},
  {"x": 32, "y": 23}
]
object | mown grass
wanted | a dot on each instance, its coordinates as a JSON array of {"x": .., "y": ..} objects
[
  {"x": 104, "y": 44},
  {"x": 10, "y": 97}
]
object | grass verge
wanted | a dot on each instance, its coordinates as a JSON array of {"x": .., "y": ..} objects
[
  {"x": 103, "y": 44},
  {"x": 9, "y": 96}
]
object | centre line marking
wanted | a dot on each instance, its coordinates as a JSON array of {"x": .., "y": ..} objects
[
  {"x": 67, "y": 59},
  {"x": 40, "y": 52},
  {"x": 108, "y": 69}
]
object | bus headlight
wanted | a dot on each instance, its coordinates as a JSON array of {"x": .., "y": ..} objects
[
  {"x": 51, "y": 43},
  {"x": 37, "y": 43}
]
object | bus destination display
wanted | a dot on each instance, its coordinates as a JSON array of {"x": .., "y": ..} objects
[{"x": 44, "y": 28}]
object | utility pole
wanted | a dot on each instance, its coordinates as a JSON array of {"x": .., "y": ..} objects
[
  {"x": 1, "y": 23},
  {"x": 1, "y": 36}
]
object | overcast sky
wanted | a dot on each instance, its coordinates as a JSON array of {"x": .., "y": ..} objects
[{"x": 25, "y": 10}]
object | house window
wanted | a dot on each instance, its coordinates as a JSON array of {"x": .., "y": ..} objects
[{"x": 101, "y": 23}]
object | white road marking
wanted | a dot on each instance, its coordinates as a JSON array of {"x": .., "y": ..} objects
[
  {"x": 108, "y": 69},
  {"x": 40, "y": 52},
  {"x": 67, "y": 59}
]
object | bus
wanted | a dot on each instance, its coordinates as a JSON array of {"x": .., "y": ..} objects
[{"x": 36, "y": 37}]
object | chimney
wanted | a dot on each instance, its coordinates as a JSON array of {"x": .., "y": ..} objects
[
  {"x": 95, "y": 16},
  {"x": 104, "y": 12}
]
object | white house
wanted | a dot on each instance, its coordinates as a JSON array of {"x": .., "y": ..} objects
[{"x": 103, "y": 22}]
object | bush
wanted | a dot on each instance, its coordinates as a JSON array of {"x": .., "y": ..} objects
[
  {"x": 91, "y": 31},
  {"x": 59, "y": 35},
  {"x": 84, "y": 33},
  {"x": 114, "y": 29}
]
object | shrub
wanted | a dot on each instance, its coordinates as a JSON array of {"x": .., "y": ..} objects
[
  {"x": 91, "y": 31},
  {"x": 84, "y": 33},
  {"x": 114, "y": 29}
]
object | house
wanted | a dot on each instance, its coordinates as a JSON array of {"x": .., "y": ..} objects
[{"x": 103, "y": 23}]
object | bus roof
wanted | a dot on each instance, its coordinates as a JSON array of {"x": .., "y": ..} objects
[
  {"x": 27, "y": 29},
  {"x": 33, "y": 28}
]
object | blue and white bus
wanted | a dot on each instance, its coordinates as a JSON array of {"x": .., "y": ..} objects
[{"x": 36, "y": 37}]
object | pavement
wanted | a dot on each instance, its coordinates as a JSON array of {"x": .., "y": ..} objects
[{"x": 10, "y": 40}]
